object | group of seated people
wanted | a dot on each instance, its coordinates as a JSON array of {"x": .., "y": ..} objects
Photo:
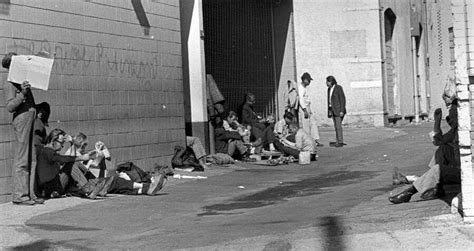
[
  {"x": 255, "y": 133},
  {"x": 60, "y": 172}
]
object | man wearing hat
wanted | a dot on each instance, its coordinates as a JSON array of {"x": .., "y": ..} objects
[{"x": 308, "y": 121}]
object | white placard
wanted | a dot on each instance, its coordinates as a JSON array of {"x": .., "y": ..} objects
[{"x": 36, "y": 70}]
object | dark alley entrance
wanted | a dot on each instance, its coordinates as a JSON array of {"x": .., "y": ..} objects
[{"x": 241, "y": 49}]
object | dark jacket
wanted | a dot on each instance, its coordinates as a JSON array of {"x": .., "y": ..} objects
[
  {"x": 248, "y": 115},
  {"x": 222, "y": 139},
  {"x": 49, "y": 164},
  {"x": 338, "y": 102}
]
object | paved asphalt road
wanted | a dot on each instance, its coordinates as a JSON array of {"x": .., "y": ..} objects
[{"x": 249, "y": 206}]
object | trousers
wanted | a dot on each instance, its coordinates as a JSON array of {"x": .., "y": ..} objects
[
  {"x": 310, "y": 124},
  {"x": 24, "y": 172}
]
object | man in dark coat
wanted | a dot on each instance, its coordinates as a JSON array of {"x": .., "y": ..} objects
[{"x": 336, "y": 107}]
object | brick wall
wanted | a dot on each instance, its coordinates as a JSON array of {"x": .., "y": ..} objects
[
  {"x": 463, "y": 29},
  {"x": 111, "y": 80}
]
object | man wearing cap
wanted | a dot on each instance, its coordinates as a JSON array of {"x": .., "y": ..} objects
[{"x": 308, "y": 121}]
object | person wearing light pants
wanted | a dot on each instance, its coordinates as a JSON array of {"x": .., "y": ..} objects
[
  {"x": 308, "y": 120},
  {"x": 21, "y": 103}
]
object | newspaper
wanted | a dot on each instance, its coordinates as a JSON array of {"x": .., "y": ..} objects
[{"x": 34, "y": 69}]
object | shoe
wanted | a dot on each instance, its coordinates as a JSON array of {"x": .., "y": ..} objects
[
  {"x": 165, "y": 170},
  {"x": 248, "y": 159},
  {"x": 338, "y": 145},
  {"x": 319, "y": 144},
  {"x": 157, "y": 184},
  {"x": 434, "y": 193},
  {"x": 105, "y": 189},
  {"x": 398, "y": 178},
  {"x": 54, "y": 195},
  {"x": 96, "y": 189},
  {"x": 38, "y": 201},
  {"x": 402, "y": 197},
  {"x": 198, "y": 169},
  {"x": 24, "y": 202}
]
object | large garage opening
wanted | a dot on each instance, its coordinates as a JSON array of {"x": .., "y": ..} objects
[{"x": 244, "y": 43}]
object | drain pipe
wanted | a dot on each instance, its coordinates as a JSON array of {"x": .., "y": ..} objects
[{"x": 415, "y": 79}]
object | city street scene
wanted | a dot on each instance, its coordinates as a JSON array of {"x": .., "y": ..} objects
[{"x": 236, "y": 125}]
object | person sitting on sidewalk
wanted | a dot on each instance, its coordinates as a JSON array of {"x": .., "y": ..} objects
[
  {"x": 445, "y": 165},
  {"x": 43, "y": 112},
  {"x": 250, "y": 117},
  {"x": 231, "y": 124},
  {"x": 303, "y": 143},
  {"x": 229, "y": 142},
  {"x": 281, "y": 130},
  {"x": 54, "y": 170},
  {"x": 114, "y": 183}
]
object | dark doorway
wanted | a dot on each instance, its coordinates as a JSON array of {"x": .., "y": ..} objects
[{"x": 239, "y": 50}]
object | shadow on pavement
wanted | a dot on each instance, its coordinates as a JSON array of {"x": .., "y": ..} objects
[
  {"x": 47, "y": 245},
  {"x": 287, "y": 190},
  {"x": 333, "y": 232},
  {"x": 56, "y": 227}
]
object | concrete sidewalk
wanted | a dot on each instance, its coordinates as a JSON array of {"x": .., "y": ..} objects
[{"x": 372, "y": 224}]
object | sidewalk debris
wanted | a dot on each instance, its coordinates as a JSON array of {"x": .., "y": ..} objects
[{"x": 179, "y": 176}]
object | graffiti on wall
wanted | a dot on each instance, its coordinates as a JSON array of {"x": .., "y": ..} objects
[{"x": 108, "y": 61}]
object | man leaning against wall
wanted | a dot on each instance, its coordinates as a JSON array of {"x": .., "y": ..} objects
[{"x": 21, "y": 103}]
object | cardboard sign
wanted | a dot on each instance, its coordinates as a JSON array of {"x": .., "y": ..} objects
[{"x": 36, "y": 70}]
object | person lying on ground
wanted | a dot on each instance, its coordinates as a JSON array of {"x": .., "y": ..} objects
[
  {"x": 445, "y": 165},
  {"x": 229, "y": 142},
  {"x": 55, "y": 171},
  {"x": 114, "y": 184}
]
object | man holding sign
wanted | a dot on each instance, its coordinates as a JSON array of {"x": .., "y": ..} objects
[{"x": 21, "y": 103}]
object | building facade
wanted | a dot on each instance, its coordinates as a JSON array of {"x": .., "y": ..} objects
[
  {"x": 463, "y": 55},
  {"x": 117, "y": 75}
]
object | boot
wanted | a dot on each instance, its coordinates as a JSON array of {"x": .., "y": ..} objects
[
  {"x": 434, "y": 193},
  {"x": 246, "y": 157},
  {"x": 157, "y": 184},
  {"x": 404, "y": 196}
]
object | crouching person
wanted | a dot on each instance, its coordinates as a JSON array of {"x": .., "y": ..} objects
[
  {"x": 303, "y": 143},
  {"x": 55, "y": 171}
]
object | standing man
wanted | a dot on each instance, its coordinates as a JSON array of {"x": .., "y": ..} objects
[
  {"x": 336, "y": 107},
  {"x": 21, "y": 103},
  {"x": 308, "y": 121}
]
